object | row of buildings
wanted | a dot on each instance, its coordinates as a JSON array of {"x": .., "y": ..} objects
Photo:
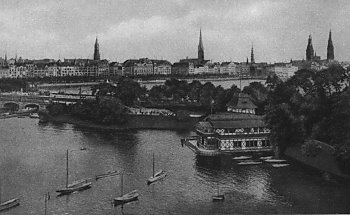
[{"x": 96, "y": 67}]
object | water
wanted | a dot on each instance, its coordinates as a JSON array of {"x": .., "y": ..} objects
[
  {"x": 224, "y": 83},
  {"x": 33, "y": 163}
]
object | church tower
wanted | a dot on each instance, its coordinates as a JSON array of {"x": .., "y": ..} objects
[
  {"x": 252, "y": 60},
  {"x": 96, "y": 51},
  {"x": 330, "y": 47},
  {"x": 200, "y": 48},
  {"x": 309, "y": 49}
]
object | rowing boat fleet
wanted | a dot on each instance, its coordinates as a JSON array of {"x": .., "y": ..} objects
[{"x": 248, "y": 160}]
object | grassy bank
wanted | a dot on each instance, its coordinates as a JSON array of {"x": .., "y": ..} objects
[{"x": 324, "y": 160}]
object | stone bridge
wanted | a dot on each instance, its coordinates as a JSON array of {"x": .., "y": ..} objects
[{"x": 22, "y": 102}]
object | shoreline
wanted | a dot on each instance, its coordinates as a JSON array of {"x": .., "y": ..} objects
[
  {"x": 133, "y": 122},
  {"x": 150, "y": 81}
]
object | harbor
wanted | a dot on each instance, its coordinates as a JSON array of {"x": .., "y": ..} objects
[{"x": 34, "y": 163}]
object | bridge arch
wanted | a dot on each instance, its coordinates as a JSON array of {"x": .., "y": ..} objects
[
  {"x": 32, "y": 105},
  {"x": 11, "y": 106}
]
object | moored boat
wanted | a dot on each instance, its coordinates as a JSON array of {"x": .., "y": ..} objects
[
  {"x": 218, "y": 196},
  {"x": 9, "y": 204},
  {"x": 75, "y": 186},
  {"x": 159, "y": 175},
  {"x": 266, "y": 157},
  {"x": 242, "y": 158},
  {"x": 156, "y": 176},
  {"x": 125, "y": 198},
  {"x": 250, "y": 163},
  {"x": 280, "y": 165},
  {"x": 274, "y": 160}
]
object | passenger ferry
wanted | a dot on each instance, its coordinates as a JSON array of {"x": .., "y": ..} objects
[{"x": 238, "y": 130}]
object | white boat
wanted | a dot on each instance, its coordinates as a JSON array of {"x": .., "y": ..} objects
[
  {"x": 250, "y": 163},
  {"x": 242, "y": 158},
  {"x": 34, "y": 115},
  {"x": 275, "y": 160},
  {"x": 8, "y": 204},
  {"x": 266, "y": 158},
  {"x": 156, "y": 176},
  {"x": 218, "y": 197},
  {"x": 195, "y": 115},
  {"x": 276, "y": 165},
  {"x": 74, "y": 186},
  {"x": 125, "y": 198}
]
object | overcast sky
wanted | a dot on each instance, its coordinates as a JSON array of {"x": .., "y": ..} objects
[{"x": 169, "y": 29}]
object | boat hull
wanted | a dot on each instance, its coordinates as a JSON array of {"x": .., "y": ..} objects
[
  {"x": 69, "y": 190},
  {"x": 9, "y": 204},
  {"x": 129, "y": 197},
  {"x": 218, "y": 198},
  {"x": 157, "y": 177}
]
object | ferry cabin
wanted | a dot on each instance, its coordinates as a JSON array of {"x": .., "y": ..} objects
[{"x": 233, "y": 132}]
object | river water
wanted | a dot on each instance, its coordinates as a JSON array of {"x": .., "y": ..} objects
[
  {"x": 149, "y": 84},
  {"x": 33, "y": 163}
]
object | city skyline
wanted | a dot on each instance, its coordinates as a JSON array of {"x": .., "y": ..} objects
[{"x": 169, "y": 30}]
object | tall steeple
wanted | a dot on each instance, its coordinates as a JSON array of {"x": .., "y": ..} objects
[
  {"x": 330, "y": 47},
  {"x": 200, "y": 48},
  {"x": 252, "y": 60},
  {"x": 309, "y": 49},
  {"x": 97, "y": 50}
]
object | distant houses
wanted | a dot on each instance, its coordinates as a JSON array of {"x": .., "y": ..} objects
[{"x": 97, "y": 67}]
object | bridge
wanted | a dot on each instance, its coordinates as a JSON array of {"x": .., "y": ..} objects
[{"x": 17, "y": 102}]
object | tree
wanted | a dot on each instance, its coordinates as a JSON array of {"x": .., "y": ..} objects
[{"x": 128, "y": 91}]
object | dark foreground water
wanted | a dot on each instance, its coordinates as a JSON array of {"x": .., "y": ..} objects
[{"x": 33, "y": 162}]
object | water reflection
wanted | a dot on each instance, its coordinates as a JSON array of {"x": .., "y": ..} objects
[{"x": 33, "y": 163}]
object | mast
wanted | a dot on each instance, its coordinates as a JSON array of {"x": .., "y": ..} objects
[
  {"x": 121, "y": 187},
  {"x": 46, "y": 203},
  {"x": 67, "y": 170},
  {"x": 153, "y": 164}
]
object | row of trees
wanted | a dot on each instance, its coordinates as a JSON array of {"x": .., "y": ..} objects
[
  {"x": 9, "y": 85},
  {"x": 311, "y": 105},
  {"x": 207, "y": 95}
]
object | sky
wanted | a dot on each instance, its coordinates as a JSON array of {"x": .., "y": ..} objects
[{"x": 169, "y": 29}]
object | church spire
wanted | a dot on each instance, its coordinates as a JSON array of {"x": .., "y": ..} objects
[
  {"x": 200, "y": 48},
  {"x": 309, "y": 49},
  {"x": 252, "y": 60},
  {"x": 97, "y": 50},
  {"x": 330, "y": 47}
]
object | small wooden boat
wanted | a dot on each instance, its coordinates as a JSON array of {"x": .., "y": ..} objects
[
  {"x": 266, "y": 158},
  {"x": 125, "y": 198},
  {"x": 9, "y": 204},
  {"x": 74, "y": 186},
  {"x": 159, "y": 175},
  {"x": 242, "y": 158},
  {"x": 275, "y": 160},
  {"x": 104, "y": 175},
  {"x": 218, "y": 197},
  {"x": 156, "y": 176},
  {"x": 250, "y": 163},
  {"x": 276, "y": 165}
]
